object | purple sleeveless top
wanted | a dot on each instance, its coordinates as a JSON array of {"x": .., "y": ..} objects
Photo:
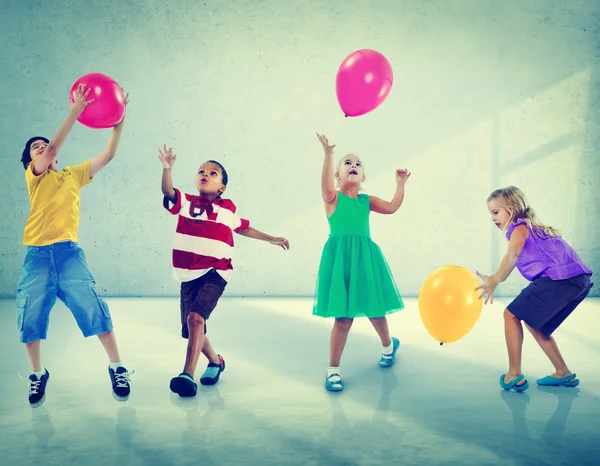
[{"x": 547, "y": 257}]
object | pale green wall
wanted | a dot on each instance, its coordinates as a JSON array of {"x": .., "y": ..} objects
[{"x": 486, "y": 94}]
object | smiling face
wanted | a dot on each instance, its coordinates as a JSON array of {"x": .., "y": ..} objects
[
  {"x": 210, "y": 179},
  {"x": 500, "y": 216},
  {"x": 350, "y": 171},
  {"x": 37, "y": 148}
]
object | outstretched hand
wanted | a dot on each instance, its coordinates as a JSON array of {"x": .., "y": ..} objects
[
  {"x": 120, "y": 123},
  {"x": 488, "y": 287},
  {"x": 325, "y": 143},
  {"x": 281, "y": 242},
  {"x": 81, "y": 95},
  {"x": 167, "y": 157}
]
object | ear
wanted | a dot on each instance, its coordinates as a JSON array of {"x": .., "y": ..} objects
[{"x": 222, "y": 189}]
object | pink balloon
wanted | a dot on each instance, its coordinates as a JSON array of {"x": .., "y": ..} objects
[
  {"x": 363, "y": 82},
  {"x": 109, "y": 107}
]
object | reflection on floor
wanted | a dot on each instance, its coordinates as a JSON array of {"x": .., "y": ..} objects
[{"x": 436, "y": 405}]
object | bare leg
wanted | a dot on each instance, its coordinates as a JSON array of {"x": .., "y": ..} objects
[
  {"x": 109, "y": 342},
  {"x": 381, "y": 327},
  {"x": 35, "y": 358},
  {"x": 209, "y": 352},
  {"x": 513, "y": 332},
  {"x": 339, "y": 335},
  {"x": 195, "y": 323},
  {"x": 550, "y": 348}
]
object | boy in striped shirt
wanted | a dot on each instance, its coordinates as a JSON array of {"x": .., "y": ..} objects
[{"x": 202, "y": 260}]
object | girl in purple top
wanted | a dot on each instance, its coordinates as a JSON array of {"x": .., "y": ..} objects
[{"x": 559, "y": 282}]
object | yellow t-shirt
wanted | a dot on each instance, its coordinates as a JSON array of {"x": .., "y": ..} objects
[{"x": 54, "y": 200}]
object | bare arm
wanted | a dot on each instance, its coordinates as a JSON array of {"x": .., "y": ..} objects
[
  {"x": 255, "y": 234},
  {"x": 51, "y": 152},
  {"x": 515, "y": 246},
  {"x": 490, "y": 282},
  {"x": 168, "y": 158},
  {"x": 383, "y": 207},
  {"x": 100, "y": 160},
  {"x": 327, "y": 177},
  {"x": 167, "y": 185}
]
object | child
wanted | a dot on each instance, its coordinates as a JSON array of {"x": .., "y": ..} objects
[
  {"x": 354, "y": 279},
  {"x": 559, "y": 282},
  {"x": 202, "y": 260},
  {"x": 55, "y": 265}
]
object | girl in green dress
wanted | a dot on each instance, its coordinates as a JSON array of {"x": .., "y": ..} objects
[{"x": 354, "y": 279}]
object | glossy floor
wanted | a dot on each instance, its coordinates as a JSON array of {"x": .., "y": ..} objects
[{"x": 436, "y": 405}]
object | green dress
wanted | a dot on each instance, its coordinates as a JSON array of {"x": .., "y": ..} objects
[{"x": 354, "y": 279}]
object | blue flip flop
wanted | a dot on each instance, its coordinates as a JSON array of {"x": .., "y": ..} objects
[
  {"x": 513, "y": 384},
  {"x": 567, "y": 381}
]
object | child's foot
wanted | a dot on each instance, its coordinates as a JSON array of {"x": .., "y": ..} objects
[
  {"x": 512, "y": 382},
  {"x": 333, "y": 383},
  {"x": 120, "y": 383},
  {"x": 388, "y": 359},
  {"x": 183, "y": 385},
  {"x": 559, "y": 380},
  {"x": 212, "y": 372},
  {"x": 37, "y": 389}
]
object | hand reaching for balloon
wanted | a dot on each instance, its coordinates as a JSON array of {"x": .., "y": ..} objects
[
  {"x": 402, "y": 176},
  {"x": 126, "y": 94},
  {"x": 80, "y": 102},
  {"x": 120, "y": 123},
  {"x": 167, "y": 157},
  {"x": 326, "y": 146},
  {"x": 488, "y": 287}
]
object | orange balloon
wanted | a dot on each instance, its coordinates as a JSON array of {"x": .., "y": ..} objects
[{"x": 448, "y": 303}]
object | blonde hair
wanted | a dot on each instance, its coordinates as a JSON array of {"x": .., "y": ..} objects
[
  {"x": 513, "y": 200},
  {"x": 339, "y": 165}
]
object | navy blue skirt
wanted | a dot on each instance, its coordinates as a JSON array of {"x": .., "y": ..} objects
[{"x": 545, "y": 303}]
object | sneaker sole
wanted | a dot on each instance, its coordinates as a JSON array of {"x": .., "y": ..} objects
[
  {"x": 38, "y": 403},
  {"x": 330, "y": 389},
  {"x": 120, "y": 398}
]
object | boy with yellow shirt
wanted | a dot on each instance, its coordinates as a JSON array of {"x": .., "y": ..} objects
[{"x": 55, "y": 265}]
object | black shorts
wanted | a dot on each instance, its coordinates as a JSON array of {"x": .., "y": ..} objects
[
  {"x": 200, "y": 296},
  {"x": 545, "y": 303}
]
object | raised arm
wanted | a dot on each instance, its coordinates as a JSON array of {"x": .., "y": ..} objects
[
  {"x": 384, "y": 207},
  {"x": 51, "y": 151},
  {"x": 327, "y": 178},
  {"x": 168, "y": 158},
  {"x": 100, "y": 160}
]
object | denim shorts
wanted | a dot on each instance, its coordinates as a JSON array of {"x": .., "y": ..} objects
[
  {"x": 58, "y": 270},
  {"x": 200, "y": 296}
]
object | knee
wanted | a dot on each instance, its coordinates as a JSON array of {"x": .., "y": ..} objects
[
  {"x": 195, "y": 320},
  {"x": 344, "y": 323}
]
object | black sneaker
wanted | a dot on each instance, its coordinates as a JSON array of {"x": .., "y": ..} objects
[
  {"x": 212, "y": 372},
  {"x": 37, "y": 389},
  {"x": 183, "y": 385},
  {"x": 120, "y": 383}
]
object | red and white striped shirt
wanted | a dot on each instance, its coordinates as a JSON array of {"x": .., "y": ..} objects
[{"x": 203, "y": 242}]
